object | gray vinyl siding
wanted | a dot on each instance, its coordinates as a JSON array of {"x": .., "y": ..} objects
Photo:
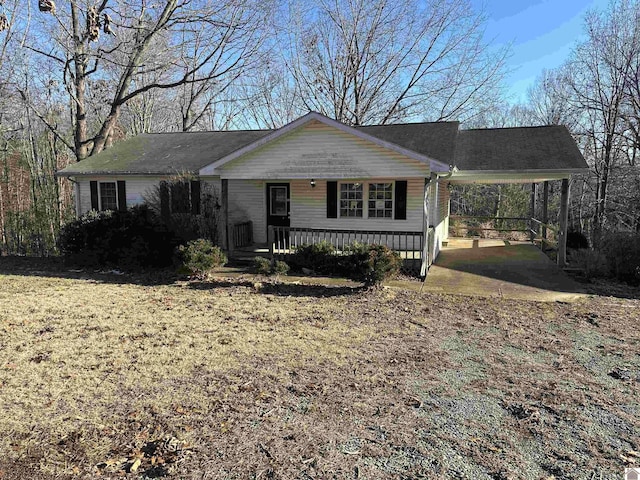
[{"x": 247, "y": 202}]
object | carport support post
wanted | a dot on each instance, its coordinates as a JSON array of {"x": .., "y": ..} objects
[
  {"x": 564, "y": 220},
  {"x": 545, "y": 212},
  {"x": 532, "y": 224}
]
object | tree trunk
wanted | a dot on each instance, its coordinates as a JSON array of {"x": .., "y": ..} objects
[
  {"x": 79, "y": 83},
  {"x": 101, "y": 140},
  {"x": 601, "y": 197}
]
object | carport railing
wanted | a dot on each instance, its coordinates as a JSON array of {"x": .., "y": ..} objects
[
  {"x": 536, "y": 230},
  {"x": 539, "y": 233},
  {"x": 491, "y": 223}
]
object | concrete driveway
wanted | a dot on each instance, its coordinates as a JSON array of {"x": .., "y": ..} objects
[{"x": 496, "y": 268}]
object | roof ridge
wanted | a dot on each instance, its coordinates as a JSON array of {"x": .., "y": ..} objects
[
  {"x": 410, "y": 123},
  {"x": 207, "y": 131},
  {"x": 509, "y": 128}
]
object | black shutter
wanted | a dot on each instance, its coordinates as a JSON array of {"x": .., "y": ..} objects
[
  {"x": 164, "y": 200},
  {"x": 122, "y": 196},
  {"x": 401, "y": 200},
  {"x": 332, "y": 199},
  {"x": 195, "y": 197},
  {"x": 180, "y": 201},
  {"x": 94, "y": 194}
]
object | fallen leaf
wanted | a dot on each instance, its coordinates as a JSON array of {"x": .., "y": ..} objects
[{"x": 135, "y": 465}]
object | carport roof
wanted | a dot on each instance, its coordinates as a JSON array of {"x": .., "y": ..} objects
[{"x": 518, "y": 149}]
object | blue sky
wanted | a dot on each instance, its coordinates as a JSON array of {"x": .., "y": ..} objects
[{"x": 542, "y": 33}]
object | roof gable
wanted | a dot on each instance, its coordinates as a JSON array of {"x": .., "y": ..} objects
[
  {"x": 318, "y": 150},
  {"x": 435, "y": 165}
]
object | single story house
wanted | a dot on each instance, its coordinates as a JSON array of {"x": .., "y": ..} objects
[{"x": 317, "y": 178}]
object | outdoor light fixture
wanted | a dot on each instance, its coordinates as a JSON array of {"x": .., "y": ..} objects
[{"x": 312, "y": 183}]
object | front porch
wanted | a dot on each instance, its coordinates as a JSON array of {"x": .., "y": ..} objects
[{"x": 283, "y": 241}]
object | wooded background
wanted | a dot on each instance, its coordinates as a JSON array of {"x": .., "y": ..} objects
[{"x": 76, "y": 76}]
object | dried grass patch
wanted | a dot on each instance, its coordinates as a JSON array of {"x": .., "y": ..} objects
[{"x": 238, "y": 379}]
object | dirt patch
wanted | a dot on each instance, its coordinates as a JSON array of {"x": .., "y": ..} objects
[{"x": 247, "y": 378}]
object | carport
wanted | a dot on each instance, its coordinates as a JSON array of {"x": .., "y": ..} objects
[
  {"x": 499, "y": 268},
  {"x": 524, "y": 155}
]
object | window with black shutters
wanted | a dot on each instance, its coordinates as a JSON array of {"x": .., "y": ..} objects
[{"x": 108, "y": 196}]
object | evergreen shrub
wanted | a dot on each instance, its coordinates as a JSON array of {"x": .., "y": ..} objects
[
  {"x": 128, "y": 240},
  {"x": 199, "y": 257}
]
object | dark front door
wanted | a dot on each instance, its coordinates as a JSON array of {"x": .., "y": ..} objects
[{"x": 278, "y": 204}]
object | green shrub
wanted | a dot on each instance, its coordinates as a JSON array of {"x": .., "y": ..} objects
[
  {"x": 265, "y": 267},
  {"x": 622, "y": 253},
  {"x": 262, "y": 265},
  {"x": 577, "y": 240},
  {"x": 198, "y": 257},
  {"x": 371, "y": 264},
  {"x": 280, "y": 268},
  {"x": 128, "y": 240},
  {"x": 319, "y": 257},
  {"x": 591, "y": 262}
]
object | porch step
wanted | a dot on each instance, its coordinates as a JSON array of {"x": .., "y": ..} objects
[{"x": 245, "y": 255}]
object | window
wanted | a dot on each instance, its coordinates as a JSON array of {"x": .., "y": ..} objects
[
  {"x": 108, "y": 196},
  {"x": 180, "y": 197},
  {"x": 351, "y": 199},
  {"x": 380, "y": 200},
  {"x": 386, "y": 200},
  {"x": 278, "y": 200}
]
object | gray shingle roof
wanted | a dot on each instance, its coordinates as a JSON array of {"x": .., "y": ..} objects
[
  {"x": 165, "y": 153},
  {"x": 520, "y": 148},
  {"x": 529, "y": 148},
  {"x": 435, "y": 140}
]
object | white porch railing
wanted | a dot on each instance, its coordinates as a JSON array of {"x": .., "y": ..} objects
[{"x": 283, "y": 241}]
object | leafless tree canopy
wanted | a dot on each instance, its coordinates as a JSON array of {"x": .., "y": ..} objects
[
  {"x": 595, "y": 94},
  {"x": 78, "y": 75},
  {"x": 385, "y": 61},
  {"x": 107, "y": 54}
]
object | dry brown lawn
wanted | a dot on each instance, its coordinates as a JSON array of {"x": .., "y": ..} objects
[{"x": 106, "y": 376}]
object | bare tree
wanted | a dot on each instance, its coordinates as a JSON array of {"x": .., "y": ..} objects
[
  {"x": 549, "y": 99},
  {"x": 381, "y": 61},
  {"x": 269, "y": 97},
  {"x": 234, "y": 50},
  {"x": 135, "y": 48},
  {"x": 598, "y": 74}
]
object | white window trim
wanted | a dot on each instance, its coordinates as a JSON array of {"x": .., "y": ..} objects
[
  {"x": 393, "y": 199},
  {"x": 100, "y": 183},
  {"x": 365, "y": 200}
]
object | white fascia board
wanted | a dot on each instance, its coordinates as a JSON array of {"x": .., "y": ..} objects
[{"x": 489, "y": 176}]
